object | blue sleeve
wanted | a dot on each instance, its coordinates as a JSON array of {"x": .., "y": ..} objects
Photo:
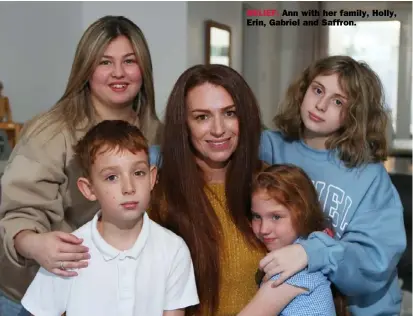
[
  {"x": 366, "y": 256},
  {"x": 268, "y": 144},
  {"x": 155, "y": 155},
  {"x": 318, "y": 300},
  {"x": 305, "y": 280}
]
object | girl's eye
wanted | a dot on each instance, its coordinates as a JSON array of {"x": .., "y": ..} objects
[
  {"x": 104, "y": 62},
  {"x": 111, "y": 178},
  {"x": 338, "y": 102},
  {"x": 318, "y": 90},
  {"x": 276, "y": 217},
  {"x": 140, "y": 173},
  {"x": 255, "y": 216},
  {"x": 130, "y": 61}
]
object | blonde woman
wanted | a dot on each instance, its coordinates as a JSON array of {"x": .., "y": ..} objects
[{"x": 111, "y": 78}]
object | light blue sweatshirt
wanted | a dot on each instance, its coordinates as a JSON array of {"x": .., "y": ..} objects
[
  {"x": 154, "y": 155},
  {"x": 367, "y": 216}
]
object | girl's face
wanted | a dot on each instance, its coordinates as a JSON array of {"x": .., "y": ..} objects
[
  {"x": 271, "y": 221},
  {"x": 213, "y": 124},
  {"x": 322, "y": 110},
  {"x": 117, "y": 79}
]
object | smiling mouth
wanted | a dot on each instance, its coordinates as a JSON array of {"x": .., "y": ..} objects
[
  {"x": 268, "y": 240},
  {"x": 218, "y": 142},
  {"x": 118, "y": 86}
]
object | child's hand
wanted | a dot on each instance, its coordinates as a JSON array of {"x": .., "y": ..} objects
[{"x": 287, "y": 261}]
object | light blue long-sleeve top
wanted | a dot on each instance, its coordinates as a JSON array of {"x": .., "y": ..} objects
[{"x": 367, "y": 216}]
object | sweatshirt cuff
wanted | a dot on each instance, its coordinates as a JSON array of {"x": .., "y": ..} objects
[
  {"x": 13, "y": 227},
  {"x": 316, "y": 253}
]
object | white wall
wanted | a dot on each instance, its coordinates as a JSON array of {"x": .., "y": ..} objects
[
  {"x": 224, "y": 12},
  {"x": 36, "y": 51},
  {"x": 165, "y": 27}
]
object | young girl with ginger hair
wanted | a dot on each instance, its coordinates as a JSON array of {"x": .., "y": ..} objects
[
  {"x": 285, "y": 209},
  {"x": 332, "y": 124}
]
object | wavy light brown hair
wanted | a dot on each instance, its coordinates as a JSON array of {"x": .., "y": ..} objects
[
  {"x": 108, "y": 135},
  {"x": 75, "y": 106},
  {"x": 290, "y": 186},
  {"x": 362, "y": 138},
  {"x": 181, "y": 182}
]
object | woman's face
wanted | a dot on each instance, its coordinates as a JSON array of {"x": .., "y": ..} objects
[
  {"x": 117, "y": 79},
  {"x": 213, "y": 124}
]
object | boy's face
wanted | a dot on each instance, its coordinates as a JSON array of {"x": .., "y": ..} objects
[
  {"x": 122, "y": 182},
  {"x": 322, "y": 109},
  {"x": 271, "y": 221}
]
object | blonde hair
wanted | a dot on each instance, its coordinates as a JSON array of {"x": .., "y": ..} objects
[
  {"x": 74, "y": 107},
  {"x": 362, "y": 138}
]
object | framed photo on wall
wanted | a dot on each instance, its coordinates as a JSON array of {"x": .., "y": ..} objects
[{"x": 217, "y": 43}]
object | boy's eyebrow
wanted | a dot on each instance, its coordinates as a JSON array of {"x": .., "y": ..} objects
[
  {"x": 337, "y": 94},
  {"x": 140, "y": 162},
  {"x": 107, "y": 169},
  {"x": 112, "y": 168}
]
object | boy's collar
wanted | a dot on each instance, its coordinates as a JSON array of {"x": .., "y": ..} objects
[{"x": 109, "y": 252}]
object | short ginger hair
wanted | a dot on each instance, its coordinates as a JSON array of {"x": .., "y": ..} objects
[{"x": 108, "y": 135}]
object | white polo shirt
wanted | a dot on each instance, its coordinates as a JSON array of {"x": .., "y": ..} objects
[{"x": 156, "y": 274}]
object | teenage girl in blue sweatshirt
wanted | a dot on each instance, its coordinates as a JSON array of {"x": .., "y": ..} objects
[{"x": 332, "y": 124}]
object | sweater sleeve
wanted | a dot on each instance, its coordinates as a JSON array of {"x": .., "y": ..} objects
[
  {"x": 268, "y": 143},
  {"x": 30, "y": 196},
  {"x": 366, "y": 256}
]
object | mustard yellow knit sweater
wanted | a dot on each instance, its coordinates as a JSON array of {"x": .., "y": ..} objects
[{"x": 239, "y": 261}]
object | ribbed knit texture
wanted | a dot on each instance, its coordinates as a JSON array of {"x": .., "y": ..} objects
[{"x": 239, "y": 261}]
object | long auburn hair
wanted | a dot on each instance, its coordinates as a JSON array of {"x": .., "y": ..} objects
[
  {"x": 181, "y": 183},
  {"x": 291, "y": 186},
  {"x": 362, "y": 138},
  {"x": 74, "y": 107}
]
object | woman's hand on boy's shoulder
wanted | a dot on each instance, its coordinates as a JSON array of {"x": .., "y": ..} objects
[
  {"x": 286, "y": 261},
  {"x": 58, "y": 252}
]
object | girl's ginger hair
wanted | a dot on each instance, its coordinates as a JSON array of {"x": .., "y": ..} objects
[
  {"x": 290, "y": 186},
  {"x": 74, "y": 110},
  {"x": 362, "y": 138}
]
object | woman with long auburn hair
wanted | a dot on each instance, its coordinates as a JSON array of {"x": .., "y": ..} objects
[
  {"x": 111, "y": 79},
  {"x": 209, "y": 156}
]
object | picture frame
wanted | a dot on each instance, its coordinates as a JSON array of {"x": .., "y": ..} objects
[{"x": 217, "y": 43}]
